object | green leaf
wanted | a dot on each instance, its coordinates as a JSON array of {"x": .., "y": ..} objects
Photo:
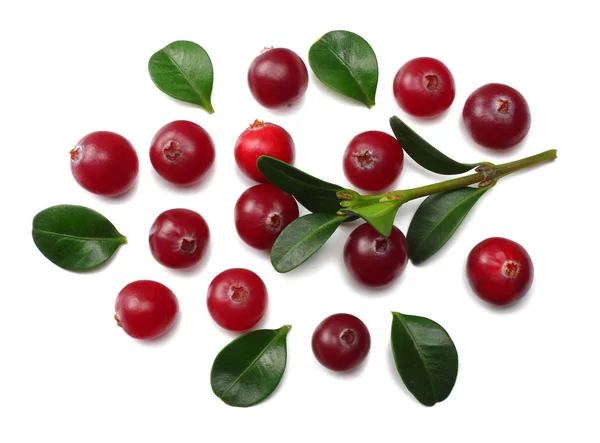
[
  {"x": 301, "y": 239},
  {"x": 250, "y": 368},
  {"x": 425, "y": 357},
  {"x": 314, "y": 194},
  {"x": 379, "y": 215},
  {"x": 438, "y": 217},
  {"x": 345, "y": 62},
  {"x": 184, "y": 71},
  {"x": 425, "y": 154},
  {"x": 75, "y": 238}
]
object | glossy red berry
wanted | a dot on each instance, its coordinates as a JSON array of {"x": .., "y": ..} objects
[
  {"x": 146, "y": 309},
  {"x": 424, "y": 87},
  {"x": 104, "y": 163},
  {"x": 237, "y": 299},
  {"x": 499, "y": 271},
  {"x": 341, "y": 342},
  {"x": 373, "y": 161},
  {"x": 373, "y": 259},
  {"x": 182, "y": 152},
  {"x": 497, "y": 116},
  {"x": 262, "y": 139},
  {"x": 277, "y": 77},
  {"x": 179, "y": 238},
  {"x": 261, "y": 213}
]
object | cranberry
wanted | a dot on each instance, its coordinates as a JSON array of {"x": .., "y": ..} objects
[
  {"x": 178, "y": 238},
  {"x": 341, "y": 342},
  {"x": 500, "y": 271},
  {"x": 373, "y": 259},
  {"x": 237, "y": 299},
  {"x": 373, "y": 160},
  {"x": 262, "y": 139},
  {"x": 277, "y": 77},
  {"x": 104, "y": 163},
  {"x": 497, "y": 116},
  {"x": 261, "y": 213},
  {"x": 146, "y": 309},
  {"x": 182, "y": 152},
  {"x": 424, "y": 87}
]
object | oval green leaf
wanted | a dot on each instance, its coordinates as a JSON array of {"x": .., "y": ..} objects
[
  {"x": 184, "y": 71},
  {"x": 250, "y": 368},
  {"x": 436, "y": 220},
  {"x": 314, "y": 194},
  {"x": 379, "y": 215},
  {"x": 301, "y": 239},
  {"x": 425, "y": 357},
  {"x": 75, "y": 238},
  {"x": 345, "y": 62},
  {"x": 425, "y": 154}
]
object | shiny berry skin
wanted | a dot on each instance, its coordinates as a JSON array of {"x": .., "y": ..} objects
[
  {"x": 277, "y": 78},
  {"x": 499, "y": 271},
  {"x": 497, "y": 116},
  {"x": 182, "y": 152},
  {"x": 104, "y": 163},
  {"x": 261, "y": 213},
  {"x": 146, "y": 309},
  {"x": 424, "y": 87},
  {"x": 341, "y": 342},
  {"x": 237, "y": 299},
  {"x": 373, "y": 161},
  {"x": 179, "y": 238},
  {"x": 375, "y": 260},
  {"x": 262, "y": 139}
]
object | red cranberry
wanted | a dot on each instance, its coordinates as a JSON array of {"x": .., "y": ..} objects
[
  {"x": 500, "y": 271},
  {"x": 262, "y": 139},
  {"x": 373, "y": 160},
  {"x": 182, "y": 152},
  {"x": 261, "y": 213},
  {"x": 277, "y": 78},
  {"x": 146, "y": 309},
  {"x": 497, "y": 116},
  {"x": 104, "y": 163},
  {"x": 178, "y": 238},
  {"x": 341, "y": 342},
  {"x": 424, "y": 87},
  {"x": 237, "y": 299},
  {"x": 373, "y": 259}
]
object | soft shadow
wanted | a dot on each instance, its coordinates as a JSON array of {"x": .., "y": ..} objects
[
  {"x": 185, "y": 189},
  {"x": 349, "y": 375},
  {"x": 326, "y": 90},
  {"x": 396, "y": 376},
  {"x": 426, "y": 121},
  {"x": 163, "y": 340},
  {"x": 247, "y": 181},
  {"x": 518, "y": 306},
  {"x": 291, "y": 109},
  {"x": 187, "y": 104},
  {"x": 123, "y": 198}
]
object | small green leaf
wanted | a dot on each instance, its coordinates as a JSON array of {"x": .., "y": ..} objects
[
  {"x": 184, "y": 71},
  {"x": 249, "y": 369},
  {"x": 425, "y": 154},
  {"x": 425, "y": 357},
  {"x": 75, "y": 238},
  {"x": 345, "y": 62},
  {"x": 314, "y": 194},
  {"x": 438, "y": 217},
  {"x": 379, "y": 215},
  {"x": 301, "y": 239}
]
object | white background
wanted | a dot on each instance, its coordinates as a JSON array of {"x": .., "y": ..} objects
[{"x": 68, "y": 374}]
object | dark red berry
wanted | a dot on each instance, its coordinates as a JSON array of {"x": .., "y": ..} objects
[
  {"x": 373, "y": 259},
  {"x": 277, "y": 77},
  {"x": 373, "y": 161},
  {"x": 237, "y": 299},
  {"x": 341, "y": 342},
  {"x": 146, "y": 309},
  {"x": 500, "y": 271},
  {"x": 261, "y": 213},
  {"x": 262, "y": 139},
  {"x": 178, "y": 238},
  {"x": 182, "y": 152},
  {"x": 497, "y": 116},
  {"x": 424, "y": 87},
  {"x": 104, "y": 163}
]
